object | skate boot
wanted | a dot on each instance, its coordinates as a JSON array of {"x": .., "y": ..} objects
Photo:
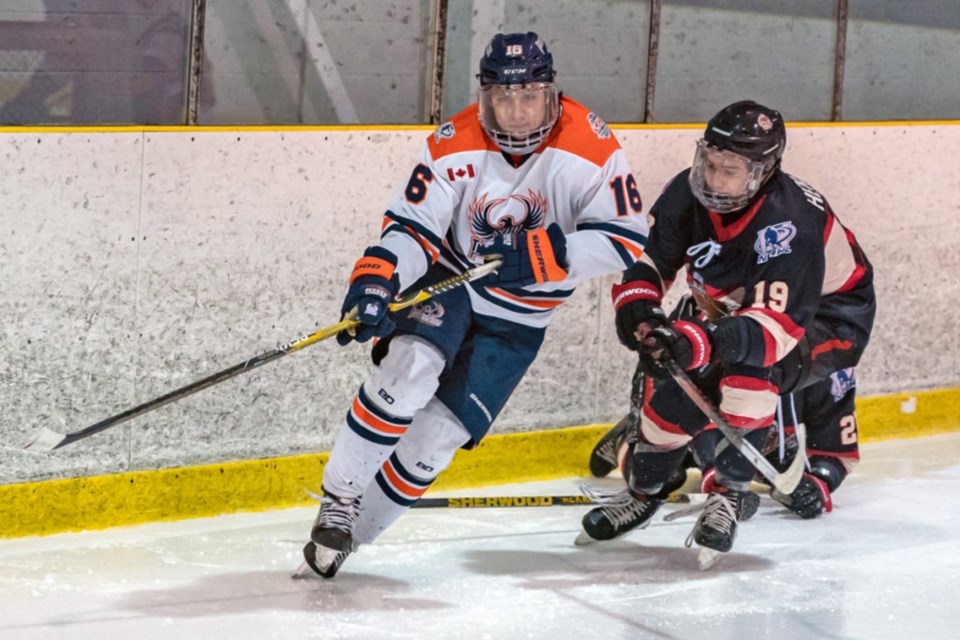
[
  {"x": 716, "y": 528},
  {"x": 617, "y": 514},
  {"x": 750, "y": 499},
  {"x": 333, "y": 527},
  {"x": 604, "y": 457},
  {"x": 749, "y": 506}
]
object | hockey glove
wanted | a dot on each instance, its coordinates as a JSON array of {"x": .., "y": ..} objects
[
  {"x": 529, "y": 257},
  {"x": 636, "y": 303},
  {"x": 373, "y": 285},
  {"x": 809, "y": 499},
  {"x": 686, "y": 341}
]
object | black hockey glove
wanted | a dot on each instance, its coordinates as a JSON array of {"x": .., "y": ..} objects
[
  {"x": 373, "y": 285},
  {"x": 529, "y": 257},
  {"x": 636, "y": 303},
  {"x": 809, "y": 499},
  {"x": 686, "y": 341}
]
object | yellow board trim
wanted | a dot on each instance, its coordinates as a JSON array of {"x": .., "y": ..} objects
[{"x": 100, "y": 502}]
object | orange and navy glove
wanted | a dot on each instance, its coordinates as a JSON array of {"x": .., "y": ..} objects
[
  {"x": 373, "y": 285},
  {"x": 529, "y": 257}
]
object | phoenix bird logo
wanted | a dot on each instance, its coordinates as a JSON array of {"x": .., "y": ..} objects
[{"x": 491, "y": 218}]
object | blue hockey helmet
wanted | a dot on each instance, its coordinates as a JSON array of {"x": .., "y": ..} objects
[
  {"x": 518, "y": 101},
  {"x": 516, "y": 58},
  {"x": 745, "y": 139}
]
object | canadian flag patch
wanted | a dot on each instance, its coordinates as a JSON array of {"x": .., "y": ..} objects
[{"x": 460, "y": 173}]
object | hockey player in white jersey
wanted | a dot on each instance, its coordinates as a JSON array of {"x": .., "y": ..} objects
[{"x": 526, "y": 174}]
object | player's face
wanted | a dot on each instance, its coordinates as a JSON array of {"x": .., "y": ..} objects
[
  {"x": 518, "y": 109},
  {"x": 519, "y": 117},
  {"x": 725, "y": 172}
]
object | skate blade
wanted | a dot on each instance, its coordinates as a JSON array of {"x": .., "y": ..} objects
[
  {"x": 302, "y": 572},
  {"x": 584, "y": 539},
  {"x": 708, "y": 558}
]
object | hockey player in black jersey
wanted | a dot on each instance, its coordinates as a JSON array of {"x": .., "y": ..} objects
[{"x": 786, "y": 299}]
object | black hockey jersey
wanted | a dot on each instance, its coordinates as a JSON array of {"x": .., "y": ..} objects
[{"x": 781, "y": 262}]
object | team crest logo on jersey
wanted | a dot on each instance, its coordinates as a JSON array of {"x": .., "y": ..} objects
[
  {"x": 429, "y": 313},
  {"x": 774, "y": 241},
  {"x": 445, "y": 130},
  {"x": 841, "y": 382},
  {"x": 598, "y": 125},
  {"x": 490, "y": 219}
]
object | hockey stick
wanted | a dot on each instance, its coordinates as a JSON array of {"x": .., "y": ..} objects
[
  {"x": 785, "y": 482},
  {"x": 48, "y": 440},
  {"x": 638, "y": 387},
  {"x": 475, "y": 502}
]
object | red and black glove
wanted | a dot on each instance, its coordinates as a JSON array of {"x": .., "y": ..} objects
[
  {"x": 636, "y": 303},
  {"x": 373, "y": 285},
  {"x": 688, "y": 342},
  {"x": 529, "y": 257},
  {"x": 809, "y": 499}
]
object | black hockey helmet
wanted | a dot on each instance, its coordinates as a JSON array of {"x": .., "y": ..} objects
[
  {"x": 516, "y": 58},
  {"x": 744, "y": 141},
  {"x": 750, "y": 130}
]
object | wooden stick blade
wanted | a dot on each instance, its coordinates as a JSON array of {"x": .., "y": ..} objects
[
  {"x": 790, "y": 478},
  {"x": 45, "y": 440}
]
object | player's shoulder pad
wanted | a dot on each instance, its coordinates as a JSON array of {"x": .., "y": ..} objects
[
  {"x": 676, "y": 195},
  {"x": 460, "y": 133},
  {"x": 583, "y": 133},
  {"x": 799, "y": 195}
]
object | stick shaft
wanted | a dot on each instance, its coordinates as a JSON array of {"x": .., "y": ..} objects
[
  {"x": 51, "y": 440},
  {"x": 493, "y": 502},
  {"x": 786, "y": 481}
]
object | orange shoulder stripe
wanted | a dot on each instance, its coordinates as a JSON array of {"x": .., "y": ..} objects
[
  {"x": 577, "y": 133},
  {"x": 468, "y": 135}
]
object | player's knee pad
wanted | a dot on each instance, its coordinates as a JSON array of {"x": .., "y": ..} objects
[
  {"x": 428, "y": 446},
  {"x": 407, "y": 377},
  {"x": 648, "y": 469}
]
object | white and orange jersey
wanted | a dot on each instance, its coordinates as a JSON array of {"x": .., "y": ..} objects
[{"x": 464, "y": 191}]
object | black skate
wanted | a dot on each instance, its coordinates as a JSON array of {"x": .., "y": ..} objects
[
  {"x": 324, "y": 562},
  {"x": 333, "y": 527},
  {"x": 716, "y": 528},
  {"x": 604, "y": 457},
  {"x": 617, "y": 514},
  {"x": 749, "y": 505},
  {"x": 750, "y": 500}
]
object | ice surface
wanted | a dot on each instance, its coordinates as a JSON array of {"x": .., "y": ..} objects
[{"x": 884, "y": 564}]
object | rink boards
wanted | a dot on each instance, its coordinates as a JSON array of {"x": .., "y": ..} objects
[
  {"x": 99, "y": 502},
  {"x": 136, "y": 261}
]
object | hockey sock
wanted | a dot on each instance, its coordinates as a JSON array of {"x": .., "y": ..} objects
[
  {"x": 381, "y": 413},
  {"x": 425, "y": 450}
]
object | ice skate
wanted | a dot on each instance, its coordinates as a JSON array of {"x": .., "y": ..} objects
[
  {"x": 604, "y": 457},
  {"x": 320, "y": 560},
  {"x": 333, "y": 527},
  {"x": 616, "y": 514},
  {"x": 716, "y": 528}
]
